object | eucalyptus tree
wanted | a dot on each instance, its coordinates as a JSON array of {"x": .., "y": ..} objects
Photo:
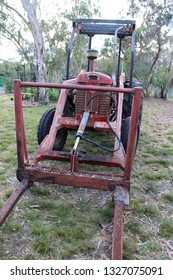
[
  {"x": 152, "y": 35},
  {"x": 35, "y": 28},
  {"x": 163, "y": 72},
  {"x": 11, "y": 28},
  {"x": 44, "y": 38},
  {"x": 16, "y": 28}
]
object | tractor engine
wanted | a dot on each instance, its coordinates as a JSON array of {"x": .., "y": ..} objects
[{"x": 99, "y": 104}]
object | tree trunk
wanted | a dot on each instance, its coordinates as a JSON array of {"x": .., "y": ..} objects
[
  {"x": 162, "y": 92},
  {"x": 155, "y": 59},
  {"x": 35, "y": 29}
]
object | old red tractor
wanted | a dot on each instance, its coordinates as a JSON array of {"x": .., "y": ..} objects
[{"x": 91, "y": 101}]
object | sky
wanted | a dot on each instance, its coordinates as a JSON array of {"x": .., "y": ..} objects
[{"x": 110, "y": 9}]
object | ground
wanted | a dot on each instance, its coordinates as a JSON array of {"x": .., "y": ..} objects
[{"x": 53, "y": 222}]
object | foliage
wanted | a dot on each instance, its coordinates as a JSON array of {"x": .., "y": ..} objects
[
  {"x": 105, "y": 61},
  {"x": 152, "y": 37},
  {"x": 8, "y": 71},
  {"x": 53, "y": 94},
  {"x": 11, "y": 70},
  {"x": 81, "y": 9},
  {"x": 57, "y": 37},
  {"x": 13, "y": 28}
]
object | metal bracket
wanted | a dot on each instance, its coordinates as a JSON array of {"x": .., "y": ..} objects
[{"x": 121, "y": 195}]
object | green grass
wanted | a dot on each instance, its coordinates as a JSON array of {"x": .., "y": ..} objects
[
  {"x": 33, "y": 215},
  {"x": 107, "y": 212},
  {"x": 152, "y": 176},
  {"x": 166, "y": 228},
  {"x": 149, "y": 247},
  {"x": 158, "y": 162},
  {"x": 40, "y": 191},
  {"x": 67, "y": 227},
  {"x": 41, "y": 204},
  {"x": 129, "y": 248},
  {"x": 42, "y": 244},
  {"x": 42, "y": 237},
  {"x": 11, "y": 227},
  {"x": 170, "y": 138},
  {"x": 168, "y": 197},
  {"x": 137, "y": 229},
  {"x": 151, "y": 187},
  {"x": 38, "y": 228},
  {"x": 140, "y": 206},
  {"x": 164, "y": 151}
]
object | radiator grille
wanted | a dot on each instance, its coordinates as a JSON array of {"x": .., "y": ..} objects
[
  {"x": 80, "y": 102},
  {"x": 104, "y": 105},
  {"x": 100, "y": 105}
]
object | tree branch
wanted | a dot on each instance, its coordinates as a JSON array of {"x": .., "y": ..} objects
[
  {"x": 16, "y": 11},
  {"x": 13, "y": 39},
  {"x": 34, "y": 4}
]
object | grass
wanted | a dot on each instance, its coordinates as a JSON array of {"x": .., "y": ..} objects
[
  {"x": 138, "y": 230},
  {"x": 152, "y": 176},
  {"x": 149, "y": 247},
  {"x": 163, "y": 151},
  {"x": 66, "y": 227},
  {"x": 170, "y": 138},
  {"x": 11, "y": 227},
  {"x": 151, "y": 187},
  {"x": 56, "y": 222},
  {"x": 42, "y": 244},
  {"x": 129, "y": 248},
  {"x": 168, "y": 197},
  {"x": 140, "y": 206},
  {"x": 166, "y": 228}
]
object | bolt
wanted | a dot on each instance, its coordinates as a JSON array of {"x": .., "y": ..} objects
[{"x": 112, "y": 186}]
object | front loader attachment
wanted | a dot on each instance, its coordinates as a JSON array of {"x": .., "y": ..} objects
[{"x": 117, "y": 183}]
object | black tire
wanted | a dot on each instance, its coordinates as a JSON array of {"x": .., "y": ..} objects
[
  {"x": 127, "y": 108},
  {"x": 125, "y": 133},
  {"x": 127, "y": 101},
  {"x": 44, "y": 127}
]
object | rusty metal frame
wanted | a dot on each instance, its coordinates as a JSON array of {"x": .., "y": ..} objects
[{"x": 118, "y": 183}]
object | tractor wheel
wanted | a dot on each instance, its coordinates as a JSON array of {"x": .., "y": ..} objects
[
  {"x": 44, "y": 127},
  {"x": 127, "y": 105},
  {"x": 127, "y": 101},
  {"x": 125, "y": 133},
  {"x": 127, "y": 108}
]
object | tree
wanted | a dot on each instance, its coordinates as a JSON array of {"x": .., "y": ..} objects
[
  {"x": 163, "y": 72},
  {"x": 152, "y": 35},
  {"x": 56, "y": 36},
  {"x": 35, "y": 28},
  {"x": 49, "y": 37},
  {"x": 105, "y": 62},
  {"x": 11, "y": 28}
]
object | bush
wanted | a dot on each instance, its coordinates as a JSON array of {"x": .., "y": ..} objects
[
  {"x": 9, "y": 85},
  {"x": 53, "y": 94}
]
